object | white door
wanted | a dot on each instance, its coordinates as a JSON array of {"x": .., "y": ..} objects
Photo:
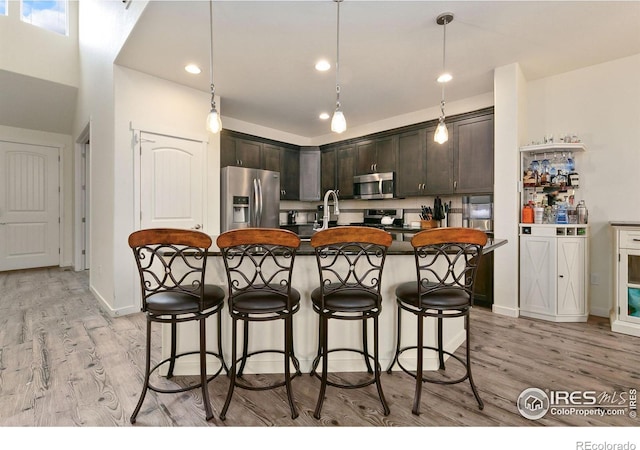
[
  {"x": 538, "y": 274},
  {"x": 571, "y": 295},
  {"x": 29, "y": 206},
  {"x": 171, "y": 182}
]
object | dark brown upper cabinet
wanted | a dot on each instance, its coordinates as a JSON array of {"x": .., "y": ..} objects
[
  {"x": 411, "y": 168},
  {"x": 376, "y": 155},
  {"x": 473, "y": 164}
]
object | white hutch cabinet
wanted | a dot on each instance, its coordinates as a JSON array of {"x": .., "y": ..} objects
[
  {"x": 625, "y": 311},
  {"x": 553, "y": 267},
  {"x": 553, "y": 257}
]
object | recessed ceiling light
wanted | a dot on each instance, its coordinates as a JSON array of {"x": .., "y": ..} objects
[
  {"x": 445, "y": 78},
  {"x": 324, "y": 116},
  {"x": 323, "y": 65},
  {"x": 192, "y": 68}
]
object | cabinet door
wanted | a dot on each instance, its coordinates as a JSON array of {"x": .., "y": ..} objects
[
  {"x": 629, "y": 285},
  {"x": 227, "y": 151},
  {"x": 249, "y": 153},
  {"x": 385, "y": 155},
  {"x": 410, "y": 174},
  {"x": 327, "y": 171},
  {"x": 290, "y": 174},
  {"x": 473, "y": 141},
  {"x": 346, "y": 168},
  {"x": 271, "y": 156},
  {"x": 571, "y": 276},
  {"x": 440, "y": 157},
  {"x": 538, "y": 274},
  {"x": 366, "y": 157}
]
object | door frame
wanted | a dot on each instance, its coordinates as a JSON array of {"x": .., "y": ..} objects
[{"x": 82, "y": 167}]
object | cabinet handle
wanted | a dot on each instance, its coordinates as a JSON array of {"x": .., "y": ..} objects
[
  {"x": 375, "y": 167},
  {"x": 455, "y": 185}
]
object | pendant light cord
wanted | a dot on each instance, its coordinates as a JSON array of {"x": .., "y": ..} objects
[
  {"x": 211, "y": 52},
  {"x": 444, "y": 66},
  {"x": 338, "y": 55}
]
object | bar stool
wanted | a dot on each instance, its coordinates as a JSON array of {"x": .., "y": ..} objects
[
  {"x": 171, "y": 264},
  {"x": 259, "y": 264},
  {"x": 446, "y": 264},
  {"x": 350, "y": 262}
]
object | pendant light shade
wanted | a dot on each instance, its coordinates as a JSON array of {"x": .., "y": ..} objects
[
  {"x": 214, "y": 124},
  {"x": 442, "y": 134},
  {"x": 338, "y": 122}
]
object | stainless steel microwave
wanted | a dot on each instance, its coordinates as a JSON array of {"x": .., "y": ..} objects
[{"x": 374, "y": 185}]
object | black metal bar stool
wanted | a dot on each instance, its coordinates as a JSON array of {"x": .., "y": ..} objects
[
  {"x": 446, "y": 264},
  {"x": 350, "y": 262},
  {"x": 259, "y": 264},
  {"x": 172, "y": 264}
]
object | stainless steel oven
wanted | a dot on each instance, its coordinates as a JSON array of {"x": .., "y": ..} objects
[{"x": 374, "y": 186}]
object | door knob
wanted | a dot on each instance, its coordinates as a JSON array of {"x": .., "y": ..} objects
[{"x": 197, "y": 227}]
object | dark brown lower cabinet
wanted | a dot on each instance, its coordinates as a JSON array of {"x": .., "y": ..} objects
[{"x": 483, "y": 289}]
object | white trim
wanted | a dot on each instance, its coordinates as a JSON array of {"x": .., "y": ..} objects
[
  {"x": 504, "y": 311},
  {"x": 78, "y": 245},
  {"x": 109, "y": 310}
]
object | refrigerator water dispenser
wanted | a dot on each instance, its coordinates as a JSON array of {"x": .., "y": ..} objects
[{"x": 240, "y": 209}]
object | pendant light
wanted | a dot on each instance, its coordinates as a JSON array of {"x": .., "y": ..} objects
[
  {"x": 338, "y": 122},
  {"x": 214, "y": 124},
  {"x": 442, "y": 134}
]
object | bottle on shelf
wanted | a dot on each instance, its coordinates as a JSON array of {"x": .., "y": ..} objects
[
  {"x": 583, "y": 213},
  {"x": 527, "y": 213}
]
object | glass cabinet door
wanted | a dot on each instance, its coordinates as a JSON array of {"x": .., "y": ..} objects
[{"x": 630, "y": 285}]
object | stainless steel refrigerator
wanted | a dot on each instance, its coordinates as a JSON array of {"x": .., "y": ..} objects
[{"x": 250, "y": 198}]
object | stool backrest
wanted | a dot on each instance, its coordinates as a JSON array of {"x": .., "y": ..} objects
[
  {"x": 258, "y": 259},
  {"x": 447, "y": 258},
  {"x": 170, "y": 260},
  {"x": 351, "y": 258}
]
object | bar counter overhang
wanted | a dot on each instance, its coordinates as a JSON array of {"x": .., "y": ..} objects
[{"x": 399, "y": 268}]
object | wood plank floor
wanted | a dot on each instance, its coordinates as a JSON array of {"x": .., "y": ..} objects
[{"x": 64, "y": 362}]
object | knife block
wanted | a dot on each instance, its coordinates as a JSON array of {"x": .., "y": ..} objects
[{"x": 429, "y": 224}]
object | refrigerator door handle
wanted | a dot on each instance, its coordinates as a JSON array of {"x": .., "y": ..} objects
[
  {"x": 261, "y": 202},
  {"x": 256, "y": 203}
]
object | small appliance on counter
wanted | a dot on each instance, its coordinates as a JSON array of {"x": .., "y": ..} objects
[
  {"x": 477, "y": 212},
  {"x": 291, "y": 217}
]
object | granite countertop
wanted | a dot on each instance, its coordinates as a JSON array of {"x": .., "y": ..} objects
[{"x": 396, "y": 248}]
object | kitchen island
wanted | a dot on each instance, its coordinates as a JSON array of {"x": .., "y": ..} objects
[{"x": 399, "y": 268}]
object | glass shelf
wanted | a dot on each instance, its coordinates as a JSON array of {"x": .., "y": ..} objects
[{"x": 554, "y": 146}]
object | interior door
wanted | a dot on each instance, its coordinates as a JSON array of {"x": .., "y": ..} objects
[
  {"x": 171, "y": 182},
  {"x": 29, "y": 206}
]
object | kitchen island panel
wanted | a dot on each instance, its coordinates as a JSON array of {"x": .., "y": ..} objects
[{"x": 399, "y": 268}]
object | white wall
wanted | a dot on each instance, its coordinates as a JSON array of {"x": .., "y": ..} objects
[
  {"x": 510, "y": 95},
  {"x": 65, "y": 143},
  {"x": 147, "y": 103},
  {"x": 104, "y": 27},
  {"x": 601, "y": 104},
  {"x": 52, "y": 56}
]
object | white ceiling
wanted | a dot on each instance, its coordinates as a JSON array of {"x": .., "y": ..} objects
[{"x": 390, "y": 51}]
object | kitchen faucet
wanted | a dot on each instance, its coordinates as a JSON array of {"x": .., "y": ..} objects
[{"x": 336, "y": 208}]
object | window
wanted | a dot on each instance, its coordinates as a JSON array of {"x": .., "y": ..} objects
[
  {"x": 50, "y": 15},
  {"x": 3, "y": 7}
]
